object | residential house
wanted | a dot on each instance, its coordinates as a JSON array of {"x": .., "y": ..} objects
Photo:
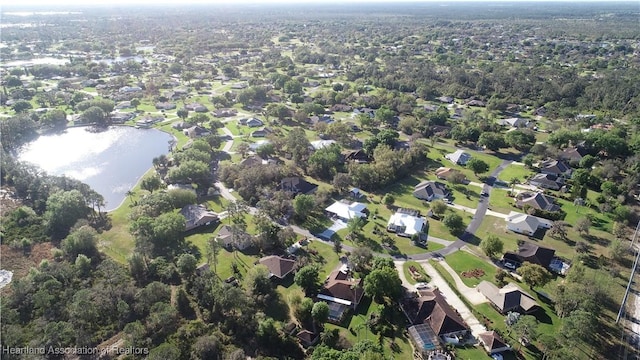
[
  {"x": 307, "y": 338},
  {"x": 260, "y": 133},
  {"x": 278, "y": 266},
  {"x": 342, "y": 292},
  {"x": 493, "y": 342},
  {"x": 225, "y": 112},
  {"x": 445, "y": 173},
  {"x": 508, "y": 298},
  {"x": 297, "y": 185},
  {"x": 357, "y": 156},
  {"x": 229, "y": 238},
  {"x": 180, "y": 125},
  {"x": 431, "y": 190},
  {"x": 556, "y": 167},
  {"x": 119, "y": 118},
  {"x": 477, "y": 103},
  {"x": 536, "y": 201},
  {"x": 165, "y": 105},
  {"x": 196, "y": 131},
  {"x": 514, "y": 122},
  {"x": 321, "y": 144},
  {"x": 547, "y": 181},
  {"x": 541, "y": 111},
  {"x": 197, "y": 215},
  {"x": 459, "y": 157},
  {"x": 432, "y": 309},
  {"x": 346, "y": 211},
  {"x": 526, "y": 224},
  {"x": 129, "y": 89},
  {"x": 530, "y": 252},
  {"x": 187, "y": 187},
  {"x": 320, "y": 119},
  {"x": 196, "y": 107},
  {"x": 254, "y": 122},
  {"x": 123, "y": 105},
  {"x": 406, "y": 222},
  {"x": 445, "y": 99},
  {"x": 574, "y": 154},
  {"x": 251, "y": 161}
]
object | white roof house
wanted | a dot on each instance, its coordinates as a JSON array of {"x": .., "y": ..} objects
[
  {"x": 347, "y": 211},
  {"x": 321, "y": 144},
  {"x": 459, "y": 157},
  {"x": 526, "y": 224},
  {"x": 406, "y": 224}
]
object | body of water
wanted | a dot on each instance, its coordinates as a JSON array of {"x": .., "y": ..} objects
[{"x": 111, "y": 162}]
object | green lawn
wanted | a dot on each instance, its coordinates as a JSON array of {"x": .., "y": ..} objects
[
  {"x": 515, "y": 171},
  {"x": 500, "y": 201},
  {"x": 462, "y": 261}
]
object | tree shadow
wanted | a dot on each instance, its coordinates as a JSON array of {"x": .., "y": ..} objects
[{"x": 277, "y": 308}]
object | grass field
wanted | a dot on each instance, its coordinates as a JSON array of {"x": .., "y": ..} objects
[
  {"x": 519, "y": 172},
  {"x": 462, "y": 261},
  {"x": 407, "y": 274}
]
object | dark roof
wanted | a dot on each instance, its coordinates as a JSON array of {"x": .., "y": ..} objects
[
  {"x": 307, "y": 337},
  {"x": 492, "y": 340},
  {"x": 508, "y": 298},
  {"x": 297, "y": 185},
  {"x": 278, "y": 266},
  {"x": 555, "y": 167},
  {"x": 546, "y": 180},
  {"x": 358, "y": 156},
  {"x": 433, "y": 309},
  {"x": 341, "y": 286},
  {"x": 532, "y": 253},
  {"x": 538, "y": 201},
  {"x": 574, "y": 153},
  {"x": 428, "y": 188}
]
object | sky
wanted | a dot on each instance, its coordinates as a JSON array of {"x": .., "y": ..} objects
[{"x": 59, "y": 3}]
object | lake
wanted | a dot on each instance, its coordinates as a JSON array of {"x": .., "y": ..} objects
[{"x": 111, "y": 162}]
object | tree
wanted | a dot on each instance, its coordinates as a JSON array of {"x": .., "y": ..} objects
[
  {"x": 438, "y": 207},
  {"x": 619, "y": 230},
  {"x": 382, "y": 284},
  {"x": 151, "y": 183},
  {"x": 187, "y": 264},
  {"x": 308, "y": 279},
  {"x": 492, "y": 246},
  {"x": 617, "y": 250},
  {"x": 559, "y": 230},
  {"x": 583, "y": 225},
  {"x": 64, "y": 209},
  {"x": 388, "y": 200},
  {"x": 477, "y": 166},
  {"x": 491, "y": 141},
  {"x": 534, "y": 274},
  {"x": 95, "y": 115},
  {"x": 303, "y": 205},
  {"x": 355, "y": 225},
  {"x": 360, "y": 258},
  {"x": 212, "y": 251},
  {"x": 526, "y": 328},
  {"x": 54, "y": 118},
  {"x": 522, "y": 140},
  {"x": 182, "y": 113},
  {"x": 320, "y": 312},
  {"x": 513, "y": 182},
  {"x": 21, "y": 106},
  {"x": 454, "y": 223},
  {"x": 81, "y": 241},
  {"x": 385, "y": 115},
  {"x": 206, "y": 347},
  {"x": 257, "y": 282},
  {"x": 135, "y": 103},
  {"x": 341, "y": 182}
]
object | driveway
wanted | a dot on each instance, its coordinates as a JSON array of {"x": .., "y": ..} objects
[
  {"x": 453, "y": 299},
  {"x": 337, "y": 226},
  {"x": 472, "y": 295}
]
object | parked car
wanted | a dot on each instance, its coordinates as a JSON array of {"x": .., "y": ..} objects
[
  {"x": 509, "y": 265},
  {"x": 484, "y": 193},
  {"x": 421, "y": 286}
]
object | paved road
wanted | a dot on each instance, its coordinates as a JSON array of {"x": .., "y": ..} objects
[{"x": 483, "y": 204}]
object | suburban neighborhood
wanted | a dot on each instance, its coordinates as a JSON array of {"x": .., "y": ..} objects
[{"x": 388, "y": 183}]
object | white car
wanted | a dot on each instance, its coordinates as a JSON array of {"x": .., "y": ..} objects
[
  {"x": 509, "y": 265},
  {"x": 421, "y": 286}
]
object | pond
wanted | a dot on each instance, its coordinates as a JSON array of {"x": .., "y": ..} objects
[{"x": 111, "y": 162}]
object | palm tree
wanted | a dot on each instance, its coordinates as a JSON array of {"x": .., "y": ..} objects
[
  {"x": 130, "y": 194},
  {"x": 212, "y": 251},
  {"x": 513, "y": 182}
]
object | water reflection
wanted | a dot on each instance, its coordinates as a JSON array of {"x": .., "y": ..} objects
[{"x": 111, "y": 162}]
